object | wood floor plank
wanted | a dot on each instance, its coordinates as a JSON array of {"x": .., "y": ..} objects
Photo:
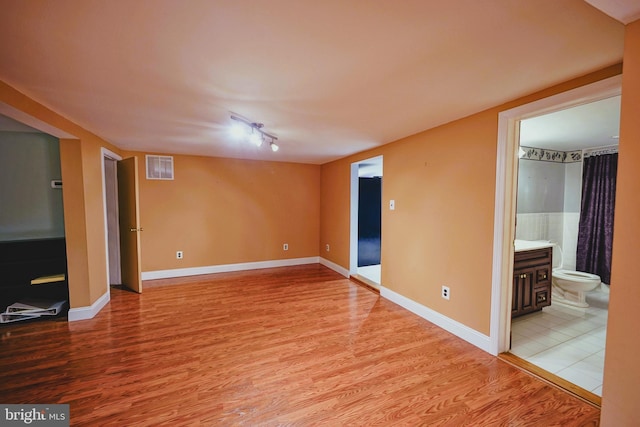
[{"x": 286, "y": 346}]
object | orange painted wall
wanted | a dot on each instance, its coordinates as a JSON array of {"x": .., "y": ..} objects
[
  {"x": 80, "y": 159},
  {"x": 441, "y": 231},
  {"x": 334, "y": 212},
  {"x": 226, "y": 211},
  {"x": 621, "y": 387},
  {"x": 75, "y": 224}
]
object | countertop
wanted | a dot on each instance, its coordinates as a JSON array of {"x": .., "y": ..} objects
[{"x": 529, "y": 245}]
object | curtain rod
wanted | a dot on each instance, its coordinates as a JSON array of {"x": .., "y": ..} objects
[{"x": 598, "y": 151}]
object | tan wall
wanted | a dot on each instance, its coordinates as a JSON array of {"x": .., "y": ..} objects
[
  {"x": 441, "y": 232},
  {"x": 80, "y": 160},
  {"x": 225, "y": 211},
  {"x": 75, "y": 224},
  {"x": 334, "y": 212},
  {"x": 621, "y": 387}
]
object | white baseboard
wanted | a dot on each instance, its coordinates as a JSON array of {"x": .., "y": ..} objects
[
  {"x": 225, "y": 268},
  {"x": 472, "y": 336},
  {"x": 84, "y": 313},
  {"x": 335, "y": 267}
]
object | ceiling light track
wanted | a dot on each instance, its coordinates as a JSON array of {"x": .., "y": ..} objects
[{"x": 254, "y": 132}]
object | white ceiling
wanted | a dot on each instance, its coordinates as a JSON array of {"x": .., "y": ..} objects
[
  {"x": 329, "y": 78},
  {"x": 585, "y": 126},
  {"x": 625, "y": 11}
]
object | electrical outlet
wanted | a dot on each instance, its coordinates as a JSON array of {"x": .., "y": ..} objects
[
  {"x": 179, "y": 255},
  {"x": 328, "y": 247},
  {"x": 285, "y": 247},
  {"x": 446, "y": 292}
]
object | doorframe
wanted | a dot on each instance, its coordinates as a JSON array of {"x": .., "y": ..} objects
[
  {"x": 505, "y": 195},
  {"x": 106, "y": 154},
  {"x": 353, "y": 224}
]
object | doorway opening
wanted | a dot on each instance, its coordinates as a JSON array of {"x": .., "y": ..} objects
[
  {"x": 33, "y": 255},
  {"x": 505, "y": 234},
  {"x": 110, "y": 168},
  {"x": 366, "y": 210},
  {"x": 565, "y": 198},
  {"x": 122, "y": 221}
]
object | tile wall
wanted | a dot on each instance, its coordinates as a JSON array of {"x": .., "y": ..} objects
[{"x": 557, "y": 227}]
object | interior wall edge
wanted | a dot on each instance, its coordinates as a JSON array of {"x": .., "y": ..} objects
[{"x": 89, "y": 312}]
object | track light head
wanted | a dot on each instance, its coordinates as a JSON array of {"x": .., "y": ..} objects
[
  {"x": 252, "y": 131},
  {"x": 256, "y": 138}
]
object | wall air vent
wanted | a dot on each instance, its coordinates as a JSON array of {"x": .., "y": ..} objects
[{"x": 159, "y": 167}]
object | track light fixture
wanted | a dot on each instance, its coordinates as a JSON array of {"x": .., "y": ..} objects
[{"x": 253, "y": 132}]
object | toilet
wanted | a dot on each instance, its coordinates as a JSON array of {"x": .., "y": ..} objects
[{"x": 570, "y": 287}]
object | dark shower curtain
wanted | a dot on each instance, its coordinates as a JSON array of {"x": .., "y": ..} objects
[{"x": 595, "y": 231}]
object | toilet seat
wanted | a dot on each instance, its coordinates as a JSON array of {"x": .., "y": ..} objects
[{"x": 575, "y": 276}]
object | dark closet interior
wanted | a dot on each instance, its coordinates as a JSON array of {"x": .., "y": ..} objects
[
  {"x": 369, "y": 220},
  {"x": 25, "y": 260}
]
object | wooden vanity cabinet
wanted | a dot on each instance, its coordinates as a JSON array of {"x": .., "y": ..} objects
[{"x": 531, "y": 281}]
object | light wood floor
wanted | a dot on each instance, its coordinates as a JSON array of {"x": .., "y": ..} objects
[{"x": 287, "y": 346}]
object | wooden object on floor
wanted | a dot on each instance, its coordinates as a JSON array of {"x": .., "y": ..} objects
[
  {"x": 48, "y": 279},
  {"x": 296, "y": 345}
]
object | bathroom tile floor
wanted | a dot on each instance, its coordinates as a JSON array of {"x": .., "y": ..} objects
[{"x": 566, "y": 341}]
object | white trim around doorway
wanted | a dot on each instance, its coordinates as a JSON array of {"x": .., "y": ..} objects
[
  {"x": 353, "y": 229},
  {"x": 106, "y": 154},
  {"x": 505, "y": 196}
]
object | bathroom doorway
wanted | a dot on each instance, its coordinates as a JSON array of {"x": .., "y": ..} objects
[
  {"x": 512, "y": 124},
  {"x": 556, "y": 156},
  {"x": 366, "y": 210}
]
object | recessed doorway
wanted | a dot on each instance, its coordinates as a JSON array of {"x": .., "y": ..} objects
[
  {"x": 506, "y": 193},
  {"x": 366, "y": 222}
]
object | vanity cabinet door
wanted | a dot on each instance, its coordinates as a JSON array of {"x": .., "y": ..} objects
[
  {"x": 523, "y": 300},
  {"x": 531, "y": 281}
]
